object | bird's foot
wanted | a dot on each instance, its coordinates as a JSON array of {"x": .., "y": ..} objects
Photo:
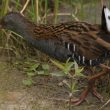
[
  {"x": 84, "y": 95},
  {"x": 81, "y": 99},
  {"x": 96, "y": 94}
]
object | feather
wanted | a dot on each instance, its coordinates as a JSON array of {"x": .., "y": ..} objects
[{"x": 77, "y": 40}]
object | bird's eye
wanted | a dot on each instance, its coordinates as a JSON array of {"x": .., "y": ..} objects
[{"x": 109, "y": 17}]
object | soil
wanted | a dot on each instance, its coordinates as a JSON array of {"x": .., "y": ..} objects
[{"x": 45, "y": 94}]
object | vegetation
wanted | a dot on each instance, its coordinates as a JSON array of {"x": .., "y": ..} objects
[{"x": 41, "y": 11}]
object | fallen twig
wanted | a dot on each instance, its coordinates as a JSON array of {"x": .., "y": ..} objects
[
  {"x": 24, "y": 7},
  {"x": 104, "y": 105}
]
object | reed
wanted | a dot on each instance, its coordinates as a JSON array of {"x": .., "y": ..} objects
[
  {"x": 4, "y": 7},
  {"x": 38, "y": 14},
  {"x": 56, "y": 11}
]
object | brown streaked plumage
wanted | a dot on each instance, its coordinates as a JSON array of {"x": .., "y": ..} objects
[
  {"x": 85, "y": 43},
  {"x": 79, "y": 34}
]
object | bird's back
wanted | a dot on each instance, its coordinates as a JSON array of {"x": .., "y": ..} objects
[{"x": 74, "y": 40}]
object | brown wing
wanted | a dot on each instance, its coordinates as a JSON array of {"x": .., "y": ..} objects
[
  {"x": 52, "y": 31},
  {"x": 77, "y": 34},
  {"x": 85, "y": 45}
]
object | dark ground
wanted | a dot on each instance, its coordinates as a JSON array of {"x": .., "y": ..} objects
[{"x": 45, "y": 94}]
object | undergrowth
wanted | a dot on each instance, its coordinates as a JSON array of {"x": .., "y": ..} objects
[{"x": 40, "y": 11}]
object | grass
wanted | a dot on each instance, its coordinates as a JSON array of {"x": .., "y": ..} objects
[
  {"x": 36, "y": 12},
  {"x": 4, "y": 6},
  {"x": 81, "y": 9}
]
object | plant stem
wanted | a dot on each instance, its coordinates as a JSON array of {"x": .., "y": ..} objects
[
  {"x": 37, "y": 10},
  {"x": 5, "y": 4},
  {"x": 56, "y": 10},
  {"x": 46, "y": 8}
]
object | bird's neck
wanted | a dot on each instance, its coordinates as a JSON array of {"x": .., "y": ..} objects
[{"x": 46, "y": 46}]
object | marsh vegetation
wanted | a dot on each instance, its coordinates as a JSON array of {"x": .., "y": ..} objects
[{"x": 30, "y": 80}]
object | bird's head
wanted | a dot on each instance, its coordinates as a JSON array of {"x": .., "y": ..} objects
[
  {"x": 106, "y": 19},
  {"x": 10, "y": 21}
]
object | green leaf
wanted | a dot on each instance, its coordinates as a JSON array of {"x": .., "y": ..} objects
[
  {"x": 69, "y": 66},
  {"x": 75, "y": 65},
  {"x": 31, "y": 74},
  {"x": 68, "y": 60},
  {"x": 73, "y": 88},
  {"x": 34, "y": 67},
  {"x": 45, "y": 66},
  {"x": 78, "y": 72},
  {"x": 58, "y": 64},
  {"x": 28, "y": 82},
  {"x": 58, "y": 74},
  {"x": 65, "y": 67},
  {"x": 67, "y": 84},
  {"x": 43, "y": 72},
  {"x": 40, "y": 72}
]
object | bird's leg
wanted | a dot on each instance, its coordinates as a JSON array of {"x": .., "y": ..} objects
[
  {"x": 96, "y": 94},
  {"x": 87, "y": 90},
  {"x": 82, "y": 97},
  {"x": 91, "y": 87}
]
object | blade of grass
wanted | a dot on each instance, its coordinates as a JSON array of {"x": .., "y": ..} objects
[
  {"x": 17, "y": 4},
  {"x": 4, "y": 8},
  {"x": 25, "y": 6},
  {"x": 56, "y": 10},
  {"x": 37, "y": 10},
  {"x": 46, "y": 9}
]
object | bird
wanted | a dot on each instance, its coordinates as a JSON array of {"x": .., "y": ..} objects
[{"x": 74, "y": 40}]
